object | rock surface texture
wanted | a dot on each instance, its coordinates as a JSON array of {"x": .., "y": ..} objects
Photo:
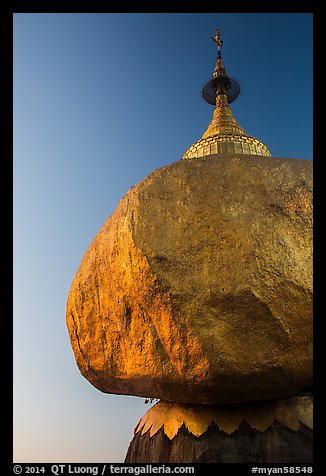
[{"x": 198, "y": 288}]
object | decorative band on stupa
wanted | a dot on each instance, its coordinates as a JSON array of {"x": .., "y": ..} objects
[{"x": 224, "y": 135}]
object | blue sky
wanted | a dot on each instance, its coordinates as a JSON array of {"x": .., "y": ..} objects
[{"x": 100, "y": 101}]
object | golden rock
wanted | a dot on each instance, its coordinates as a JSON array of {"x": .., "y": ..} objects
[{"x": 198, "y": 288}]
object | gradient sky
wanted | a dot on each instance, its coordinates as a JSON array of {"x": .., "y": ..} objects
[{"x": 100, "y": 101}]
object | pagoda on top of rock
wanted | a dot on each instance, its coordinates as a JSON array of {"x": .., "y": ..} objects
[
  {"x": 224, "y": 135},
  {"x": 198, "y": 291}
]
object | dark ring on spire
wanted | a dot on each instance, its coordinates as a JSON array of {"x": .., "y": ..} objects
[{"x": 209, "y": 91}]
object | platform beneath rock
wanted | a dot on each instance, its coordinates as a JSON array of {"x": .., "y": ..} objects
[{"x": 266, "y": 432}]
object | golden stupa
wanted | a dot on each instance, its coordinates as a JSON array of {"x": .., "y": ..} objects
[{"x": 223, "y": 135}]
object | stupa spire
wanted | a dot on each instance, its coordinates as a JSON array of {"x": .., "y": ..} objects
[
  {"x": 220, "y": 75},
  {"x": 224, "y": 135}
]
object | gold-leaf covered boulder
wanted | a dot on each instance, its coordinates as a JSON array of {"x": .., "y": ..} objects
[{"x": 198, "y": 288}]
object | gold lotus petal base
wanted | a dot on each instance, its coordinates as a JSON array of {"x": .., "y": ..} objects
[{"x": 291, "y": 413}]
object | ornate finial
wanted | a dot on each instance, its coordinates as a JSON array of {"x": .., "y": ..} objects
[
  {"x": 224, "y": 135},
  {"x": 217, "y": 39},
  {"x": 220, "y": 78},
  {"x": 220, "y": 83}
]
